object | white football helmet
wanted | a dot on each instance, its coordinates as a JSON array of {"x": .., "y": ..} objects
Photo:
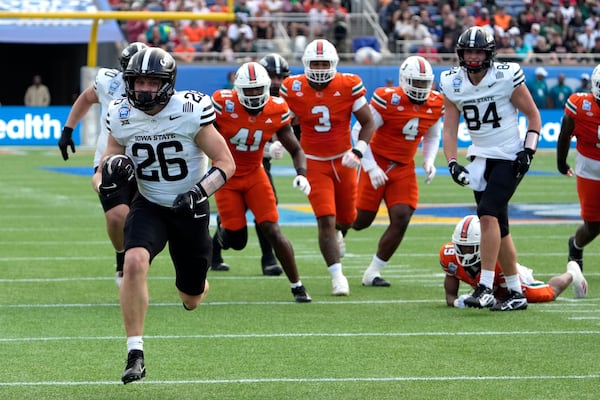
[
  {"x": 416, "y": 78},
  {"x": 466, "y": 238},
  {"x": 596, "y": 82},
  {"x": 252, "y": 75},
  {"x": 320, "y": 50}
]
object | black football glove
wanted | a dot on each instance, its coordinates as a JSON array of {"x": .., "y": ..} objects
[
  {"x": 187, "y": 203},
  {"x": 65, "y": 142},
  {"x": 459, "y": 173},
  {"x": 117, "y": 171},
  {"x": 522, "y": 162}
]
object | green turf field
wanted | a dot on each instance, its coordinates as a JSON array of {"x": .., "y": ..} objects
[{"x": 61, "y": 334}]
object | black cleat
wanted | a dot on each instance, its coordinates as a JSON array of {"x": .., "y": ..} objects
[
  {"x": 377, "y": 281},
  {"x": 482, "y": 297},
  {"x": 512, "y": 302},
  {"x": 135, "y": 370},
  {"x": 272, "y": 270},
  {"x": 300, "y": 295},
  {"x": 219, "y": 267},
  {"x": 574, "y": 253}
]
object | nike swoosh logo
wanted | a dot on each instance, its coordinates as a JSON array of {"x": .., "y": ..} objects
[
  {"x": 199, "y": 215},
  {"x": 172, "y": 117}
]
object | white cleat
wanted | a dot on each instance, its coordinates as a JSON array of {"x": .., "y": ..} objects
[
  {"x": 341, "y": 243},
  {"x": 580, "y": 285},
  {"x": 340, "y": 286}
]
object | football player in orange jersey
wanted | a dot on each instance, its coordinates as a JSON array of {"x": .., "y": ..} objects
[
  {"x": 323, "y": 102},
  {"x": 580, "y": 120},
  {"x": 248, "y": 117},
  {"x": 461, "y": 261},
  {"x": 278, "y": 69},
  {"x": 404, "y": 116}
]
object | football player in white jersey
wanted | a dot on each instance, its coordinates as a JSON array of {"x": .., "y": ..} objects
[
  {"x": 107, "y": 86},
  {"x": 488, "y": 96},
  {"x": 170, "y": 136}
]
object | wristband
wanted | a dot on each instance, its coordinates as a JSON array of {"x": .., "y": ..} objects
[
  {"x": 212, "y": 181},
  {"x": 360, "y": 148},
  {"x": 301, "y": 171},
  {"x": 450, "y": 161},
  {"x": 531, "y": 140}
]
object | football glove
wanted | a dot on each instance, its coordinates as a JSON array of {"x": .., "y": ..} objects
[
  {"x": 117, "y": 171},
  {"x": 460, "y": 301},
  {"x": 377, "y": 176},
  {"x": 302, "y": 184},
  {"x": 430, "y": 171},
  {"x": 459, "y": 173},
  {"x": 186, "y": 203},
  {"x": 522, "y": 162},
  {"x": 65, "y": 142},
  {"x": 276, "y": 150}
]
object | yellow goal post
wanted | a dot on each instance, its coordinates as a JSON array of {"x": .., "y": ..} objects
[{"x": 96, "y": 16}]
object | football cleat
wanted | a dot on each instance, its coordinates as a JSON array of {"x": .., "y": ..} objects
[
  {"x": 135, "y": 369},
  {"x": 300, "y": 295},
  {"x": 482, "y": 297},
  {"x": 219, "y": 267},
  {"x": 375, "y": 281},
  {"x": 340, "y": 286},
  {"x": 575, "y": 254},
  {"x": 580, "y": 286},
  {"x": 271, "y": 270},
  {"x": 512, "y": 302}
]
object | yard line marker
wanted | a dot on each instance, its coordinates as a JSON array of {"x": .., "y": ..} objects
[{"x": 309, "y": 380}]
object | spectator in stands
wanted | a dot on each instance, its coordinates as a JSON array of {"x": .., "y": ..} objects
[
  {"x": 447, "y": 49},
  {"x": 238, "y": 31},
  {"x": 522, "y": 50},
  {"x": 588, "y": 37},
  {"x": 585, "y": 86},
  {"x": 37, "y": 95},
  {"x": 577, "y": 22},
  {"x": 539, "y": 88},
  {"x": 158, "y": 35},
  {"x": 596, "y": 50},
  {"x": 415, "y": 30},
  {"x": 319, "y": 20},
  {"x": 184, "y": 51},
  {"x": 262, "y": 27},
  {"x": 402, "y": 22},
  {"x": 219, "y": 6},
  {"x": 434, "y": 30},
  {"x": 451, "y": 27},
  {"x": 559, "y": 93},
  {"x": 567, "y": 9},
  {"x": 531, "y": 38},
  {"x": 135, "y": 28},
  {"x": 274, "y": 6},
  {"x": 298, "y": 28},
  {"x": 542, "y": 48},
  {"x": 428, "y": 51},
  {"x": 482, "y": 16},
  {"x": 551, "y": 26},
  {"x": 502, "y": 18},
  {"x": 242, "y": 10},
  {"x": 505, "y": 48}
]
